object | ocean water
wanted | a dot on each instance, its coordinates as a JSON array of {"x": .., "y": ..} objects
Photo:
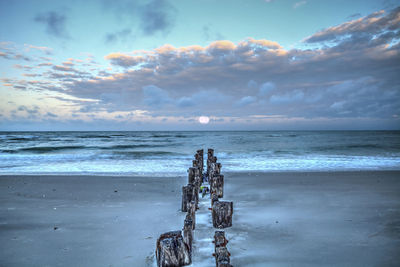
[{"x": 170, "y": 153}]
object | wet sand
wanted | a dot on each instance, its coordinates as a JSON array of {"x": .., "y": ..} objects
[{"x": 280, "y": 219}]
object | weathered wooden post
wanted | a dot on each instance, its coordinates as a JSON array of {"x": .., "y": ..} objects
[
  {"x": 218, "y": 167},
  {"x": 219, "y": 239},
  {"x": 192, "y": 212},
  {"x": 187, "y": 196},
  {"x": 210, "y": 154},
  {"x": 214, "y": 198},
  {"x": 222, "y": 212},
  {"x": 194, "y": 176},
  {"x": 217, "y": 184},
  {"x": 222, "y": 257},
  {"x": 200, "y": 152},
  {"x": 172, "y": 250},
  {"x": 188, "y": 231},
  {"x": 191, "y": 173}
]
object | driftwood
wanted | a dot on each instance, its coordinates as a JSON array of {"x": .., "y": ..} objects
[
  {"x": 172, "y": 250},
  {"x": 222, "y": 212},
  {"x": 217, "y": 185},
  {"x": 188, "y": 231},
  {"x": 187, "y": 196}
]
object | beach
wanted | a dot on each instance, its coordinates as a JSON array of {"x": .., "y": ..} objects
[{"x": 280, "y": 219}]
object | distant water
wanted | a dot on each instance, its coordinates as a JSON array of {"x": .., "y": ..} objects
[{"x": 170, "y": 153}]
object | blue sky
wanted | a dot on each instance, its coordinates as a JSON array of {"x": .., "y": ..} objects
[{"x": 157, "y": 64}]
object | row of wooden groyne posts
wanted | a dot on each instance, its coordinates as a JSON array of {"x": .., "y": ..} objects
[{"x": 175, "y": 249}]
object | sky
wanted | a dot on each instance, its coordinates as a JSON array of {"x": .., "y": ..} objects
[{"x": 163, "y": 65}]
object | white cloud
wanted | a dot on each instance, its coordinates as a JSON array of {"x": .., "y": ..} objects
[{"x": 299, "y": 4}]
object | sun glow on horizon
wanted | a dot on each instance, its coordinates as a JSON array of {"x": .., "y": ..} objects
[{"x": 204, "y": 119}]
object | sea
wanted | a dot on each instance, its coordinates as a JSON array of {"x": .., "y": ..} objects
[{"x": 159, "y": 153}]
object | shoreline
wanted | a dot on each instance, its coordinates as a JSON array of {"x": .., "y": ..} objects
[
  {"x": 184, "y": 174},
  {"x": 280, "y": 219}
]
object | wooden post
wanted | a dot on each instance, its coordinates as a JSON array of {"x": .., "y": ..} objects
[
  {"x": 219, "y": 239},
  {"x": 210, "y": 152},
  {"x": 210, "y": 155},
  {"x": 192, "y": 212},
  {"x": 214, "y": 198},
  {"x": 222, "y": 212},
  {"x": 171, "y": 250},
  {"x": 187, "y": 196},
  {"x": 218, "y": 168},
  {"x": 222, "y": 257},
  {"x": 188, "y": 231},
  {"x": 217, "y": 184},
  {"x": 191, "y": 175},
  {"x": 201, "y": 159}
]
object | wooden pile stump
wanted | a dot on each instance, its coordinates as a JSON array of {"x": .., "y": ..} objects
[
  {"x": 222, "y": 212},
  {"x": 222, "y": 257},
  {"x": 188, "y": 228},
  {"x": 214, "y": 198},
  {"x": 188, "y": 194},
  {"x": 217, "y": 185},
  {"x": 219, "y": 239},
  {"x": 172, "y": 250},
  {"x": 191, "y": 212},
  {"x": 221, "y": 254}
]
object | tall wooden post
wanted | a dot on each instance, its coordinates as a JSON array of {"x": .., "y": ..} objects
[
  {"x": 188, "y": 231},
  {"x": 217, "y": 184},
  {"x": 188, "y": 194}
]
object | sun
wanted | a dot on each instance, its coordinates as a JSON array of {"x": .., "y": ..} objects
[{"x": 204, "y": 119}]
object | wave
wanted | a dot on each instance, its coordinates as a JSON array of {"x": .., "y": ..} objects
[
  {"x": 94, "y": 136},
  {"x": 45, "y": 149},
  {"x": 146, "y": 154},
  {"x": 349, "y": 147},
  {"x": 129, "y": 146}
]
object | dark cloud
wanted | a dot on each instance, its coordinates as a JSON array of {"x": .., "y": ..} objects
[
  {"x": 123, "y": 36},
  {"x": 55, "y": 23},
  {"x": 157, "y": 16},
  {"x": 209, "y": 34},
  {"x": 153, "y": 17},
  {"x": 355, "y": 15}
]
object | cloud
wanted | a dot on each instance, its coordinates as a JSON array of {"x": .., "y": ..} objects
[
  {"x": 352, "y": 74},
  {"x": 124, "y": 35},
  {"x": 266, "y": 88},
  {"x": 289, "y": 97},
  {"x": 4, "y": 55},
  {"x": 246, "y": 100},
  {"x": 54, "y": 22},
  {"x": 150, "y": 18},
  {"x": 380, "y": 25},
  {"x": 44, "y": 49},
  {"x": 155, "y": 97},
  {"x": 157, "y": 16},
  {"x": 299, "y": 4}
]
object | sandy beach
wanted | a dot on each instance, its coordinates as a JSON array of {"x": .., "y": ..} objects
[{"x": 280, "y": 219}]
